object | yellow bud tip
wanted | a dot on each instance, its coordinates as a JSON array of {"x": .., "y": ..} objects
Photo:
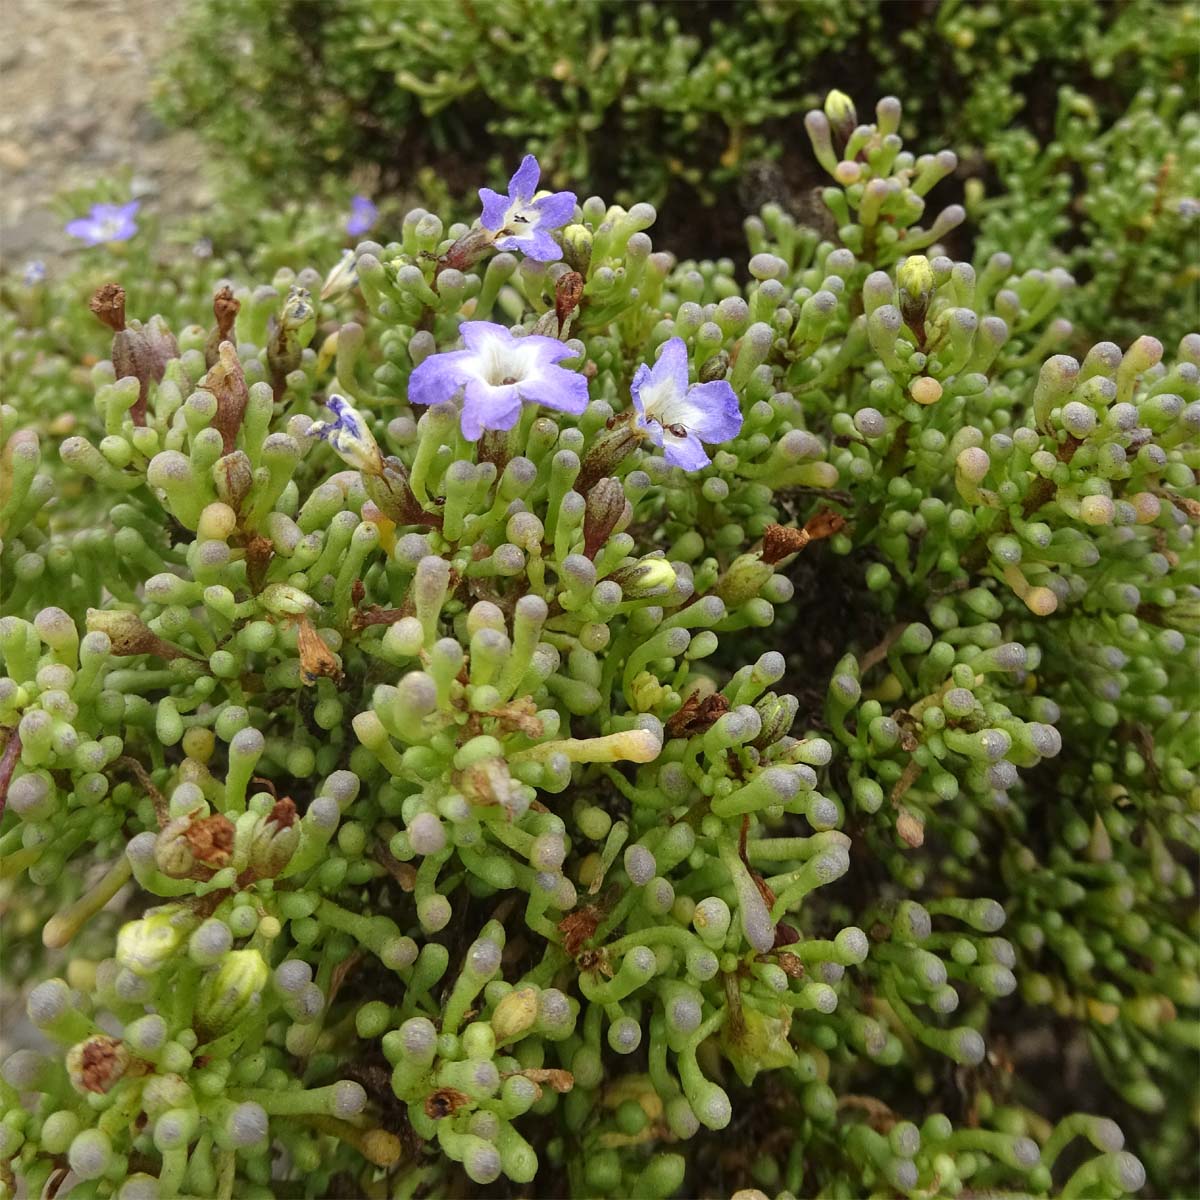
[
  {"x": 1041, "y": 601},
  {"x": 380, "y": 1147},
  {"x": 925, "y": 390},
  {"x": 839, "y": 108},
  {"x": 915, "y": 276}
]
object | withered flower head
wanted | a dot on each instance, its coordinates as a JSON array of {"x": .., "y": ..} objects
[
  {"x": 227, "y": 382},
  {"x": 316, "y": 658},
  {"x": 98, "y": 1064}
]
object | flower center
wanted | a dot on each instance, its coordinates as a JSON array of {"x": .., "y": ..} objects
[{"x": 504, "y": 365}]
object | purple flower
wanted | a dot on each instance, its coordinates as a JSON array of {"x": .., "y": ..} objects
[
  {"x": 348, "y": 434},
  {"x": 678, "y": 417},
  {"x": 363, "y": 215},
  {"x": 522, "y": 223},
  {"x": 34, "y": 273},
  {"x": 495, "y": 373},
  {"x": 106, "y": 223}
]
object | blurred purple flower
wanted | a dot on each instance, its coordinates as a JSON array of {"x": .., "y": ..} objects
[
  {"x": 106, "y": 223},
  {"x": 495, "y": 373},
  {"x": 522, "y": 223},
  {"x": 363, "y": 215},
  {"x": 678, "y": 417},
  {"x": 34, "y": 273}
]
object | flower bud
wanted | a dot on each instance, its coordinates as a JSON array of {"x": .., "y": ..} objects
[
  {"x": 843, "y": 117},
  {"x": 516, "y": 1013},
  {"x": 274, "y": 839},
  {"x": 146, "y": 946},
  {"x": 232, "y": 991},
  {"x": 648, "y": 577},
  {"x": 577, "y": 248},
  {"x": 349, "y": 436}
]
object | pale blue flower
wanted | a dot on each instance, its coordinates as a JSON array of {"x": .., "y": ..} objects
[
  {"x": 363, "y": 215},
  {"x": 523, "y": 223},
  {"x": 34, "y": 273},
  {"x": 106, "y": 223},
  {"x": 495, "y": 374},
  {"x": 679, "y": 417}
]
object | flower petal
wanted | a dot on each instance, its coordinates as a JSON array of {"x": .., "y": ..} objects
[
  {"x": 554, "y": 211},
  {"x": 477, "y": 334},
  {"x": 523, "y": 184},
  {"x": 712, "y": 412},
  {"x": 495, "y": 209},
  {"x": 488, "y": 407},
  {"x": 672, "y": 366},
  {"x": 549, "y": 349},
  {"x": 685, "y": 452},
  {"x": 557, "y": 388},
  {"x": 83, "y": 228},
  {"x": 535, "y": 244},
  {"x": 440, "y": 377},
  {"x": 641, "y": 378}
]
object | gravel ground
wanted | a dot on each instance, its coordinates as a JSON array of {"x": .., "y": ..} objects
[{"x": 75, "y": 78}]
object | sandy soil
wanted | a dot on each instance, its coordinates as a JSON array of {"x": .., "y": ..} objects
[{"x": 75, "y": 79}]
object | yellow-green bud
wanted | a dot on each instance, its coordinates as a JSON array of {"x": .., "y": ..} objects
[
  {"x": 915, "y": 282},
  {"x": 577, "y": 248},
  {"x": 145, "y": 946},
  {"x": 742, "y": 581},
  {"x": 283, "y": 600},
  {"x": 515, "y": 1014},
  {"x": 649, "y": 577},
  {"x": 274, "y": 839},
  {"x": 842, "y": 114},
  {"x": 647, "y": 691},
  {"x": 759, "y": 1042},
  {"x": 915, "y": 276},
  {"x": 232, "y": 990}
]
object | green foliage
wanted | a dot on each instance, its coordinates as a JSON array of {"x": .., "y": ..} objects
[
  {"x": 641, "y": 100},
  {"x": 529, "y": 811}
]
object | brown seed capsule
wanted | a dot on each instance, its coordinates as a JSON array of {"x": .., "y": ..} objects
[
  {"x": 227, "y": 382},
  {"x": 568, "y": 292},
  {"x": 138, "y": 351},
  {"x": 225, "y": 311},
  {"x": 109, "y": 306},
  {"x": 604, "y": 509},
  {"x": 698, "y": 714},
  {"x": 316, "y": 658}
]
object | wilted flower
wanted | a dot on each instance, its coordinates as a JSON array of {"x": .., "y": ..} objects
[
  {"x": 519, "y": 222},
  {"x": 342, "y": 278},
  {"x": 106, "y": 223},
  {"x": 678, "y": 417},
  {"x": 363, "y": 215},
  {"x": 495, "y": 373},
  {"x": 349, "y": 436}
]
